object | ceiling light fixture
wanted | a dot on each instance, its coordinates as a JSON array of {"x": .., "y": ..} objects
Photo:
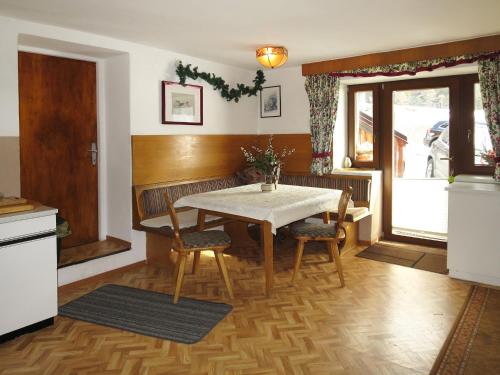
[{"x": 271, "y": 57}]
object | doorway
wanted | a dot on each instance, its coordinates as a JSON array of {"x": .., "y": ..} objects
[
  {"x": 58, "y": 140},
  {"x": 421, "y": 133},
  {"x": 441, "y": 120},
  {"x": 420, "y": 112}
]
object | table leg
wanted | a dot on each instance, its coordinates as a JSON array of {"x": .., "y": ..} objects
[
  {"x": 197, "y": 254},
  {"x": 267, "y": 243},
  {"x": 326, "y": 217}
]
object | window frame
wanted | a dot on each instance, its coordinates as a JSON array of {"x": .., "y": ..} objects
[
  {"x": 465, "y": 164},
  {"x": 351, "y": 121}
]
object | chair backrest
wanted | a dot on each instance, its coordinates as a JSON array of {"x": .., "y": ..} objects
[
  {"x": 343, "y": 203},
  {"x": 173, "y": 218}
]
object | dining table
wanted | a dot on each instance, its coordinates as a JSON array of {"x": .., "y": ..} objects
[{"x": 269, "y": 209}]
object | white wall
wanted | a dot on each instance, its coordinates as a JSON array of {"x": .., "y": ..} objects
[
  {"x": 295, "y": 110},
  {"x": 294, "y": 103},
  {"x": 219, "y": 116},
  {"x": 118, "y": 147},
  {"x": 9, "y": 102},
  {"x": 132, "y": 83}
]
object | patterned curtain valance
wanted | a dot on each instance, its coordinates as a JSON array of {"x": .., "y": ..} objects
[{"x": 414, "y": 67}]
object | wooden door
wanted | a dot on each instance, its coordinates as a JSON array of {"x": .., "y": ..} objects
[{"x": 58, "y": 124}]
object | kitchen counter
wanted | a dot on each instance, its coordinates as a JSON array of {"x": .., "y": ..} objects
[
  {"x": 28, "y": 271},
  {"x": 38, "y": 211},
  {"x": 474, "y": 187}
]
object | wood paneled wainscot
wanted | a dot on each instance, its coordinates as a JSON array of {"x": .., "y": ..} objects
[
  {"x": 164, "y": 158},
  {"x": 300, "y": 161}
]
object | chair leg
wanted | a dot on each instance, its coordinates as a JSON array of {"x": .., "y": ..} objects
[
  {"x": 180, "y": 276},
  {"x": 331, "y": 254},
  {"x": 219, "y": 257},
  {"x": 298, "y": 258},
  {"x": 196, "y": 261},
  {"x": 335, "y": 250},
  {"x": 176, "y": 271}
]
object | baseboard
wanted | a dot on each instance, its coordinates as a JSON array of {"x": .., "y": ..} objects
[
  {"x": 367, "y": 242},
  {"x": 28, "y": 329},
  {"x": 486, "y": 280},
  {"x": 101, "y": 276}
]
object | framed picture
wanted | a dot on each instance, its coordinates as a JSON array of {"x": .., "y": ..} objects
[
  {"x": 270, "y": 102},
  {"x": 182, "y": 105}
]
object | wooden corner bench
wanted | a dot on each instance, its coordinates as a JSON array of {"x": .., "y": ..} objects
[{"x": 151, "y": 213}]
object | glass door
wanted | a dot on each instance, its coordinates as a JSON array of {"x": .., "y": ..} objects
[
  {"x": 417, "y": 159},
  {"x": 421, "y": 125}
]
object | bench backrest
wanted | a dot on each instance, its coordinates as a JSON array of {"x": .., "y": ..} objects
[{"x": 361, "y": 185}]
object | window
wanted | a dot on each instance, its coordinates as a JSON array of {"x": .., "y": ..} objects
[
  {"x": 483, "y": 149},
  {"x": 470, "y": 139},
  {"x": 363, "y": 125},
  {"x": 475, "y": 135},
  {"x": 445, "y": 136}
]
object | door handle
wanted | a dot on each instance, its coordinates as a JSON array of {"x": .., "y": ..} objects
[
  {"x": 450, "y": 158},
  {"x": 93, "y": 153}
]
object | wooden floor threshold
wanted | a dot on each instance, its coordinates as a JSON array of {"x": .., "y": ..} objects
[{"x": 91, "y": 251}]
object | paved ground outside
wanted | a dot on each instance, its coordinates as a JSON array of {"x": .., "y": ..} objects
[{"x": 420, "y": 206}]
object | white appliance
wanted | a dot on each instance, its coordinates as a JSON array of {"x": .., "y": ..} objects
[
  {"x": 28, "y": 271},
  {"x": 473, "y": 231}
]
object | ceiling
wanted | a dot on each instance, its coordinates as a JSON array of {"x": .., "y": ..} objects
[{"x": 229, "y": 31}]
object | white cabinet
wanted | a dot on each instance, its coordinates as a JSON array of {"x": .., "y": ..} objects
[
  {"x": 28, "y": 270},
  {"x": 473, "y": 231}
]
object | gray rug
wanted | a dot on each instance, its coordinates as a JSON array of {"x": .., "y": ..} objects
[
  {"x": 406, "y": 257},
  {"x": 148, "y": 313}
]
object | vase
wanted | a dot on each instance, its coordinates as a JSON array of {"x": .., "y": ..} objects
[
  {"x": 347, "y": 162},
  {"x": 271, "y": 179},
  {"x": 267, "y": 187}
]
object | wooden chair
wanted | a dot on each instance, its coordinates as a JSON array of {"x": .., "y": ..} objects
[
  {"x": 195, "y": 242},
  {"x": 332, "y": 234}
]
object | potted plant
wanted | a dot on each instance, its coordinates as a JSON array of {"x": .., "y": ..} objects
[
  {"x": 268, "y": 162},
  {"x": 490, "y": 158}
]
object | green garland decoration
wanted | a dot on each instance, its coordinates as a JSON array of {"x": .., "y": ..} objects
[{"x": 185, "y": 71}]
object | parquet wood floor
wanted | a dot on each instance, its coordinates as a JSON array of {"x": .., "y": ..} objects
[{"x": 387, "y": 320}]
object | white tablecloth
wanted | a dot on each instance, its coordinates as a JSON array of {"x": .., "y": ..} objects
[{"x": 280, "y": 207}]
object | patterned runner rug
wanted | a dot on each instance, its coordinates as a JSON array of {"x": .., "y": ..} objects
[
  {"x": 474, "y": 341},
  {"x": 147, "y": 312}
]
